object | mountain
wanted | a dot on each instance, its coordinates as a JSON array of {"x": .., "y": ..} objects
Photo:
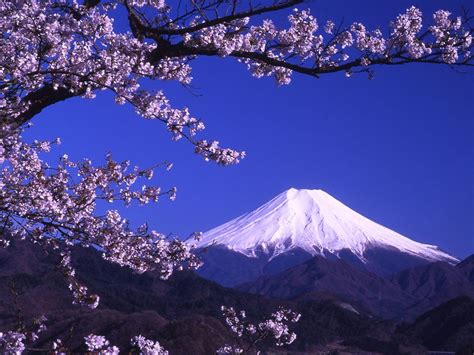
[
  {"x": 432, "y": 285},
  {"x": 299, "y": 224},
  {"x": 402, "y": 296},
  {"x": 449, "y": 326},
  {"x": 321, "y": 278},
  {"x": 445, "y": 329},
  {"x": 183, "y": 313},
  {"x": 467, "y": 268}
]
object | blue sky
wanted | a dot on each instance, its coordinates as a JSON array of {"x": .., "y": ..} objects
[{"x": 398, "y": 149}]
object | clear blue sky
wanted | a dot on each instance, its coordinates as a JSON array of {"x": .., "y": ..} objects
[{"x": 398, "y": 149}]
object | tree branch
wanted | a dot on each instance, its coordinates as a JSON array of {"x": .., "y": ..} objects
[
  {"x": 235, "y": 16},
  {"x": 40, "y": 99}
]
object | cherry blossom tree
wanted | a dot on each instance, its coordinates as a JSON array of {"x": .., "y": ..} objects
[{"x": 54, "y": 50}]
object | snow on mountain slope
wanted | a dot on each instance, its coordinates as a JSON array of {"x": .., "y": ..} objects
[{"x": 315, "y": 222}]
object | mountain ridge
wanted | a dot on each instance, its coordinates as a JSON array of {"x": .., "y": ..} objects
[
  {"x": 402, "y": 296},
  {"x": 183, "y": 313}
]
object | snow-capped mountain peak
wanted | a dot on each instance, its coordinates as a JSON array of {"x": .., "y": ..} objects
[{"x": 314, "y": 221}]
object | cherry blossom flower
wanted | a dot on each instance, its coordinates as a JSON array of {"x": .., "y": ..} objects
[
  {"x": 12, "y": 343},
  {"x": 276, "y": 327},
  {"x": 148, "y": 347}
]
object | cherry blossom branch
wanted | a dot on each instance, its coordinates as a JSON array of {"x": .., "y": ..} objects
[
  {"x": 276, "y": 327},
  {"x": 46, "y": 206},
  {"x": 222, "y": 20},
  {"x": 47, "y": 64}
]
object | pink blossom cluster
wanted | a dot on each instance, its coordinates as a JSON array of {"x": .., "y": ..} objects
[
  {"x": 147, "y": 346},
  {"x": 57, "y": 207},
  {"x": 98, "y": 344},
  {"x": 229, "y": 349},
  {"x": 13, "y": 342},
  {"x": 276, "y": 327},
  {"x": 442, "y": 29}
]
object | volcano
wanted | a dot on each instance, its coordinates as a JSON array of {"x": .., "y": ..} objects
[{"x": 297, "y": 225}]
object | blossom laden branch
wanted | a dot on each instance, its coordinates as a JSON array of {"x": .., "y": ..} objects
[
  {"x": 61, "y": 49},
  {"x": 276, "y": 328},
  {"x": 55, "y": 50},
  {"x": 47, "y": 206}
]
